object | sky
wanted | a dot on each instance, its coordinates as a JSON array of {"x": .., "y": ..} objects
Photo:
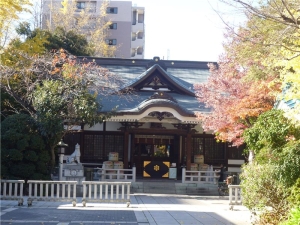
[{"x": 183, "y": 29}]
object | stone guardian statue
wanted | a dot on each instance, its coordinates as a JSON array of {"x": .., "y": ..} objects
[{"x": 74, "y": 158}]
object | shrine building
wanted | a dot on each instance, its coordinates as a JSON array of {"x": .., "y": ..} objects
[{"x": 156, "y": 124}]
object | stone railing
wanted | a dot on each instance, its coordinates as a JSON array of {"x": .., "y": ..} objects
[
  {"x": 235, "y": 197},
  {"x": 39, "y": 190},
  {"x": 12, "y": 190},
  {"x": 189, "y": 176},
  {"x": 104, "y": 191},
  {"x": 51, "y": 191},
  {"x": 126, "y": 175}
]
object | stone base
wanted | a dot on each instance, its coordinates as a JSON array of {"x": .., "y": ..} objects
[{"x": 74, "y": 172}]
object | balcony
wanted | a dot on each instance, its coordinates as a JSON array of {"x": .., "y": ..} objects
[
  {"x": 137, "y": 43},
  {"x": 137, "y": 27},
  {"x": 137, "y": 53}
]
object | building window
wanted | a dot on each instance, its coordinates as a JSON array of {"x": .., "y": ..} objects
[
  {"x": 111, "y": 41},
  {"x": 140, "y": 35},
  {"x": 139, "y": 51},
  {"x": 80, "y": 5},
  {"x": 114, "y": 143},
  {"x": 214, "y": 151},
  {"x": 93, "y": 147},
  {"x": 113, "y": 26},
  {"x": 96, "y": 147},
  {"x": 197, "y": 146},
  {"x": 90, "y": 6},
  {"x": 112, "y": 10}
]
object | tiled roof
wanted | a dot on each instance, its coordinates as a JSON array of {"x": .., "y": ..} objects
[
  {"x": 132, "y": 102},
  {"x": 178, "y": 81},
  {"x": 182, "y": 73},
  {"x": 187, "y": 77}
]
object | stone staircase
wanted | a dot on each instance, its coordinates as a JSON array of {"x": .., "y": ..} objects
[{"x": 173, "y": 187}]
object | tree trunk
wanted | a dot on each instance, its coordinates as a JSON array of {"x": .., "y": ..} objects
[
  {"x": 52, "y": 157},
  {"x": 251, "y": 156}
]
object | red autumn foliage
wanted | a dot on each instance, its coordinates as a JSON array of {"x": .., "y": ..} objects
[{"x": 235, "y": 102}]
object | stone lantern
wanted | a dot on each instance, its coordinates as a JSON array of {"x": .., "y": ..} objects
[{"x": 61, "y": 147}]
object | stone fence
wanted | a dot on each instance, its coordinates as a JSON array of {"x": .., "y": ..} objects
[
  {"x": 189, "y": 176},
  {"x": 40, "y": 190},
  {"x": 235, "y": 196},
  {"x": 104, "y": 191},
  {"x": 12, "y": 190}
]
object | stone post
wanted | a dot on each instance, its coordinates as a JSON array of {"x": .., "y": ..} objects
[{"x": 61, "y": 163}]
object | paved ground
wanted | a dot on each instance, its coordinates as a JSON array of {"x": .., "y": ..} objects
[{"x": 145, "y": 209}]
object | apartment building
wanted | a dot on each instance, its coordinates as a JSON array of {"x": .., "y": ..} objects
[{"x": 127, "y": 31}]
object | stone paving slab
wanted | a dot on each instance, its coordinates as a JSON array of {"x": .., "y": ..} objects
[{"x": 145, "y": 209}]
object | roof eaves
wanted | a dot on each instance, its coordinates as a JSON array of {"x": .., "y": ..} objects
[{"x": 158, "y": 102}]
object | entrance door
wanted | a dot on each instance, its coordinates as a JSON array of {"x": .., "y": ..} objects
[{"x": 153, "y": 156}]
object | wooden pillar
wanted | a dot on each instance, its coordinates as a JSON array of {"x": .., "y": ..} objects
[
  {"x": 126, "y": 141},
  {"x": 81, "y": 141},
  {"x": 188, "y": 150},
  {"x": 189, "y": 129}
]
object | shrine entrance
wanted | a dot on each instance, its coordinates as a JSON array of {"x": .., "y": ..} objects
[{"x": 154, "y": 154}]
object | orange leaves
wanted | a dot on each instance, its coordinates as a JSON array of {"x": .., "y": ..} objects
[
  {"x": 55, "y": 71},
  {"x": 63, "y": 65},
  {"x": 255, "y": 101},
  {"x": 235, "y": 101}
]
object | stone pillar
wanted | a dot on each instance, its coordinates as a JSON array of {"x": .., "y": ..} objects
[{"x": 61, "y": 163}]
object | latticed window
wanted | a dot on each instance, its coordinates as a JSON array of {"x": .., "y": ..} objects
[
  {"x": 97, "y": 147},
  {"x": 236, "y": 152},
  {"x": 197, "y": 146},
  {"x": 214, "y": 151},
  {"x": 114, "y": 143},
  {"x": 93, "y": 146}
]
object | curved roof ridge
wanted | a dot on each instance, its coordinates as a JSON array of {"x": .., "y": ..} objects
[{"x": 166, "y": 102}]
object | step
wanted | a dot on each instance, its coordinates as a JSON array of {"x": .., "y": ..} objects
[{"x": 175, "y": 188}]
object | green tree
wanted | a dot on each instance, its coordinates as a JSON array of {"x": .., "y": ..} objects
[
  {"x": 58, "y": 92},
  {"x": 23, "y": 152},
  {"x": 263, "y": 194},
  {"x": 61, "y": 103},
  {"x": 275, "y": 140},
  {"x": 15, "y": 53},
  {"x": 23, "y": 29},
  {"x": 268, "y": 181},
  {"x": 266, "y": 49},
  {"x": 74, "y": 43},
  {"x": 271, "y": 131}
]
